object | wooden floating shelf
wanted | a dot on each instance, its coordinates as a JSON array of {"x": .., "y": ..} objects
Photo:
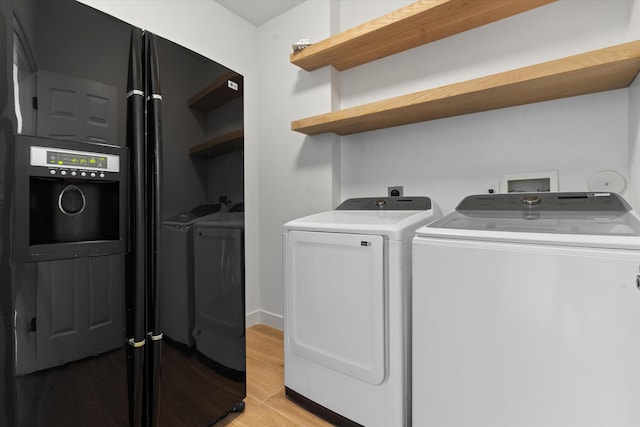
[
  {"x": 217, "y": 93},
  {"x": 599, "y": 70},
  {"x": 219, "y": 145},
  {"x": 416, "y": 24}
]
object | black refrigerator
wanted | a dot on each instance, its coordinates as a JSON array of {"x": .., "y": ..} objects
[{"x": 121, "y": 224}]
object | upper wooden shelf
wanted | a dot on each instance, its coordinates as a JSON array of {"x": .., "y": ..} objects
[
  {"x": 416, "y": 24},
  {"x": 222, "y": 144},
  {"x": 217, "y": 93},
  {"x": 599, "y": 70}
]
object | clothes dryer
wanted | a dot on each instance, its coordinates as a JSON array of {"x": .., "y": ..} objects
[
  {"x": 347, "y": 279},
  {"x": 526, "y": 313}
]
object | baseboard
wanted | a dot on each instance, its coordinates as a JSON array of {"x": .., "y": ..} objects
[{"x": 266, "y": 318}]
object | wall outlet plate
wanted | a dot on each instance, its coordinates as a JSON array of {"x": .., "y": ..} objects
[
  {"x": 529, "y": 182},
  {"x": 396, "y": 191}
]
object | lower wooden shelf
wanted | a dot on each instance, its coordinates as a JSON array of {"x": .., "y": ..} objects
[
  {"x": 596, "y": 71},
  {"x": 219, "y": 145}
]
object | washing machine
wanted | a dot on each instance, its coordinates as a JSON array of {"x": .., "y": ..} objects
[
  {"x": 219, "y": 290},
  {"x": 526, "y": 313},
  {"x": 347, "y": 281},
  {"x": 177, "y": 273}
]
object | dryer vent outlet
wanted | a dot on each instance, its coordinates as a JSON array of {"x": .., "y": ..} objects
[{"x": 396, "y": 191}]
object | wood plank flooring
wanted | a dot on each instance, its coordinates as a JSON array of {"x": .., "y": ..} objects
[{"x": 266, "y": 405}]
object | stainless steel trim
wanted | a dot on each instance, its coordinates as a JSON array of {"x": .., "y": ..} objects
[
  {"x": 136, "y": 344},
  {"x": 71, "y": 187},
  {"x": 135, "y": 92},
  {"x": 156, "y": 337}
]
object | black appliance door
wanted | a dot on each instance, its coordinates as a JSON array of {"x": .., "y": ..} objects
[
  {"x": 62, "y": 281},
  {"x": 198, "y": 104}
]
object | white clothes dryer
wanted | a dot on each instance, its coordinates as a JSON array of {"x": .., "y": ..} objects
[
  {"x": 347, "y": 276},
  {"x": 526, "y": 313}
]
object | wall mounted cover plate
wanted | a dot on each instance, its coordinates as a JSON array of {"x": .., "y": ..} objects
[
  {"x": 529, "y": 182},
  {"x": 607, "y": 180}
]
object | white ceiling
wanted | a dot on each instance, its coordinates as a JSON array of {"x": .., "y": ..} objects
[{"x": 259, "y": 11}]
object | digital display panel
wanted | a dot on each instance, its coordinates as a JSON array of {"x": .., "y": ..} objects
[{"x": 56, "y": 158}]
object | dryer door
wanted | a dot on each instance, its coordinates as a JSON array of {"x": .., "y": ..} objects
[{"x": 335, "y": 301}]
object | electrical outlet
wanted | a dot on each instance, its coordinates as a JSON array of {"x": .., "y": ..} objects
[{"x": 395, "y": 191}]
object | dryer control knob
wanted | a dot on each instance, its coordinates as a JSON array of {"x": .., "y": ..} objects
[
  {"x": 531, "y": 200},
  {"x": 380, "y": 203}
]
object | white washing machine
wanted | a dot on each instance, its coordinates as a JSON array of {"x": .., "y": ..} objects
[
  {"x": 526, "y": 313},
  {"x": 347, "y": 276}
]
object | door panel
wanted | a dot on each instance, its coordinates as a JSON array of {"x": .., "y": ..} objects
[{"x": 336, "y": 314}]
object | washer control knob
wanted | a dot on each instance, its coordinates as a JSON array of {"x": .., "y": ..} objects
[
  {"x": 380, "y": 203},
  {"x": 531, "y": 200}
]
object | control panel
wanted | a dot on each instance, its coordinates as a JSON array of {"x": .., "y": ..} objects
[
  {"x": 545, "y": 201},
  {"x": 70, "y": 199},
  {"x": 386, "y": 203},
  {"x": 72, "y": 163}
]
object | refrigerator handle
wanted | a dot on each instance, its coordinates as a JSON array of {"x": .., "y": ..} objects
[
  {"x": 154, "y": 208},
  {"x": 135, "y": 265}
]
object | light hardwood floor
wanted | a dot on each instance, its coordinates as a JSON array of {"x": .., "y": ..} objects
[{"x": 266, "y": 405}]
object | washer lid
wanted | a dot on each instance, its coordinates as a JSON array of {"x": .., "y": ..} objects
[
  {"x": 395, "y": 225},
  {"x": 584, "y": 219}
]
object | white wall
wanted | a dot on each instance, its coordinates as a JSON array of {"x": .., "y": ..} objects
[
  {"x": 634, "y": 116},
  {"x": 450, "y": 158},
  {"x": 295, "y": 173},
  {"x": 211, "y": 30}
]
